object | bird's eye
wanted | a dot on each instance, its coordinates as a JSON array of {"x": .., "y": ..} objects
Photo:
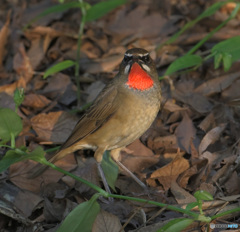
[
  {"x": 127, "y": 58},
  {"x": 145, "y": 58}
]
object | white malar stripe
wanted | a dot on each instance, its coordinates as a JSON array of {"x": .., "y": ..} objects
[
  {"x": 146, "y": 67},
  {"x": 127, "y": 69}
]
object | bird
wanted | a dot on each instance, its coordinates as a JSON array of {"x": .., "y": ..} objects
[{"x": 120, "y": 114}]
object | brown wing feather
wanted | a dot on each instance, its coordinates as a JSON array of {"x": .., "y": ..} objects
[{"x": 99, "y": 113}]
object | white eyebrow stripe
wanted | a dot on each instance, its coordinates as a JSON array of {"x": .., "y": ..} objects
[
  {"x": 128, "y": 54},
  {"x": 141, "y": 55}
]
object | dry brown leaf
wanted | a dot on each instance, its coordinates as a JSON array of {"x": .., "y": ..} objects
[
  {"x": 22, "y": 64},
  {"x": 170, "y": 172},
  {"x": 54, "y": 126},
  {"x": 106, "y": 64},
  {"x": 165, "y": 142},
  {"x": 184, "y": 178},
  {"x": 87, "y": 170},
  {"x": 18, "y": 198},
  {"x": 232, "y": 92},
  {"x": 4, "y": 32},
  {"x": 138, "y": 16},
  {"x": 207, "y": 123},
  {"x": 36, "y": 9},
  {"x": 139, "y": 158},
  {"x": 185, "y": 133},
  {"x": 36, "y": 52},
  {"x": 57, "y": 85},
  {"x": 184, "y": 92},
  {"x": 106, "y": 222},
  {"x": 93, "y": 90},
  {"x": 35, "y": 101},
  {"x": 172, "y": 107},
  {"x": 217, "y": 84},
  {"x": 6, "y": 101},
  {"x": 211, "y": 137},
  {"x": 18, "y": 174},
  {"x": 23, "y": 68},
  {"x": 181, "y": 195},
  {"x": 32, "y": 200},
  {"x": 233, "y": 184}
]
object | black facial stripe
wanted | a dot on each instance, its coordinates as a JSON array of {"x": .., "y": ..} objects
[
  {"x": 128, "y": 57},
  {"x": 145, "y": 58}
]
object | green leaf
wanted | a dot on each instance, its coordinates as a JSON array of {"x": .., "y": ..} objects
[
  {"x": 58, "y": 8},
  {"x": 183, "y": 62},
  {"x": 82, "y": 217},
  {"x": 17, "y": 155},
  {"x": 212, "y": 9},
  {"x": 227, "y": 61},
  {"x": 191, "y": 205},
  {"x": 58, "y": 67},
  {"x": 176, "y": 225},
  {"x": 102, "y": 8},
  {"x": 203, "y": 195},
  {"x": 110, "y": 169},
  {"x": 230, "y": 46},
  {"x": 18, "y": 96},
  {"x": 217, "y": 60},
  {"x": 10, "y": 124},
  {"x": 37, "y": 155}
]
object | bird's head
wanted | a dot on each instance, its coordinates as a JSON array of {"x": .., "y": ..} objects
[{"x": 140, "y": 69}]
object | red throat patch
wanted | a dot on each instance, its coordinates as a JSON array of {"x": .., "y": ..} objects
[{"x": 138, "y": 78}]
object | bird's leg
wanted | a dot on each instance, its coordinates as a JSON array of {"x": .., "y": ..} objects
[
  {"x": 98, "y": 157},
  {"x": 104, "y": 180},
  {"x": 131, "y": 174},
  {"x": 115, "y": 155}
]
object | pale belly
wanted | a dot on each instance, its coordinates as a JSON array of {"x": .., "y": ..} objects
[{"x": 128, "y": 124}]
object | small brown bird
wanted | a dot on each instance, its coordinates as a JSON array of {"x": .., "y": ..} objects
[{"x": 121, "y": 113}]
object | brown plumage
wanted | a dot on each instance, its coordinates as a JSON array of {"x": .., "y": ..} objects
[{"x": 121, "y": 113}]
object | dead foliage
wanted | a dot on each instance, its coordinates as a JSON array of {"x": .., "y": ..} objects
[{"x": 193, "y": 143}]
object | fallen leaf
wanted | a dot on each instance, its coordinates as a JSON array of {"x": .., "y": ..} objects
[
  {"x": 18, "y": 198},
  {"x": 211, "y": 137},
  {"x": 18, "y": 173},
  {"x": 170, "y": 172},
  {"x": 181, "y": 195},
  {"x": 54, "y": 126},
  {"x": 139, "y": 157},
  {"x": 217, "y": 84},
  {"x": 106, "y": 222},
  {"x": 4, "y": 32},
  {"x": 35, "y": 101},
  {"x": 185, "y": 133}
]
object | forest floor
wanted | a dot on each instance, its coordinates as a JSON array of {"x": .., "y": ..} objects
[{"x": 192, "y": 145}]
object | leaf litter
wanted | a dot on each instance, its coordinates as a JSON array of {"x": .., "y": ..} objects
[{"x": 192, "y": 145}]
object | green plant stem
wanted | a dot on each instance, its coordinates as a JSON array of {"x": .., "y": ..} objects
[
  {"x": 93, "y": 186},
  {"x": 207, "y": 37},
  {"x": 107, "y": 195},
  {"x": 196, "y": 216},
  {"x": 79, "y": 43},
  {"x": 12, "y": 141},
  {"x": 225, "y": 213},
  {"x": 187, "y": 26},
  {"x": 52, "y": 149}
]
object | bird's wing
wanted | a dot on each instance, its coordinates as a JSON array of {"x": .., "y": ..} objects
[{"x": 97, "y": 115}]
